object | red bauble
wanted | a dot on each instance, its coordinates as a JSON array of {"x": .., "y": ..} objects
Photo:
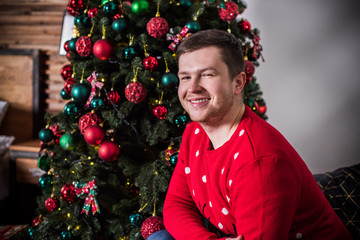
[
  {"x": 74, "y": 7},
  {"x": 36, "y": 221},
  {"x": 151, "y": 225},
  {"x": 230, "y": 12},
  {"x": 244, "y": 26},
  {"x": 68, "y": 56},
  {"x": 92, "y": 12},
  {"x": 66, "y": 71},
  {"x": 87, "y": 120},
  {"x": 66, "y": 46},
  {"x": 114, "y": 97},
  {"x": 249, "y": 70},
  {"x": 83, "y": 46},
  {"x": 160, "y": 111},
  {"x": 68, "y": 85},
  {"x": 262, "y": 109},
  {"x": 67, "y": 193},
  {"x": 103, "y": 49},
  {"x": 135, "y": 92},
  {"x": 52, "y": 203},
  {"x": 108, "y": 151},
  {"x": 150, "y": 63},
  {"x": 94, "y": 135},
  {"x": 157, "y": 27}
]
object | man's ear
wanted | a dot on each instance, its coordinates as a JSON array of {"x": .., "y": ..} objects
[{"x": 239, "y": 83}]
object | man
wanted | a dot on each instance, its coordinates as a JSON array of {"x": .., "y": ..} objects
[{"x": 234, "y": 170}]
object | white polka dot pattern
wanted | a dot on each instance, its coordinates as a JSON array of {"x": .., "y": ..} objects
[
  {"x": 230, "y": 182},
  {"x": 204, "y": 178},
  {"x": 197, "y": 131},
  {"x": 227, "y": 197},
  {"x": 222, "y": 171},
  {"x": 210, "y": 204},
  {"x": 241, "y": 132},
  {"x": 225, "y": 211},
  {"x": 197, "y": 153},
  {"x": 236, "y": 155},
  {"x": 220, "y": 226},
  {"x": 187, "y": 170}
]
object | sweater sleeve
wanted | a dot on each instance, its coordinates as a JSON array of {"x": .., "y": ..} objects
[
  {"x": 182, "y": 218},
  {"x": 264, "y": 197}
]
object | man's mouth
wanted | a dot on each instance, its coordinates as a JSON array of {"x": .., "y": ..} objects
[{"x": 199, "y": 100}]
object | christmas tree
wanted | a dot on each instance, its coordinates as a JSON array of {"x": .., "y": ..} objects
[{"x": 109, "y": 155}]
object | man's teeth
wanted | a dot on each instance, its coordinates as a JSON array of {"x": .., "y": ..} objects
[{"x": 199, "y": 101}]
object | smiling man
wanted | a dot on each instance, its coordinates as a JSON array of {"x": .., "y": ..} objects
[{"x": 236, "y": 175}]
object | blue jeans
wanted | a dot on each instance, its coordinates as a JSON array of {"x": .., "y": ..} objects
[{"x": 160, "y": 235}]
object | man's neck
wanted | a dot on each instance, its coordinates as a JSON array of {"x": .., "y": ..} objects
[{"x": 221, "y": 133}]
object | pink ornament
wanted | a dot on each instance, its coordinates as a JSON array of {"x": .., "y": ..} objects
[
  {"x": 151, "y": 225},
  {"x": 84, "y": 46},
  {"x": 157, "y": 27}
]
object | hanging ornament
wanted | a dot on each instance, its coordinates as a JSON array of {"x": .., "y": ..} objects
[
  {"x": 250, "y": 101},
  {"x": 74, "y": 7},
  {"x": 71, "y": 109},
  {"x": 249, "y": 70},
  {"x": 113, "y": 97},
  {"x": 88, "y": 119},
  {"x": 186, "y": 3},
  {"x": 57, "y": 133},
  {"x": 103, "y": 49},
  {"x": 174, "y": 159},
  {"x": 68, "y": 142},
  {"x": 136, "y": 219},
  {"x": 66, "y": 46},
  {"x": 46, "y": 135},
  {"x": 230, "y": 12},
  {"x": 150, "y": 63},
  {"x": 111, "y": 8},
  {"x": 44, "y": 182},
  {"x": 262, "y": 109},
  {"x": 129, "y": 51},
  {"x": 120, "y": 25},
  {"x": 68, "y": 85},
  {"x": 52, "y": 203},
  {"x": 151, "y": 225},
  {"x": 169, "y": 79},
  {"x": 135, "y": 92},
  {"x": 157, "y": 27},
  {"x": 81, "y": 20},
  {"x": 37, "y": 220},
  {"x": 244, "y": 26},
  {"x": 72, "y": 44},
  {"x": 95, "y": 84},
  {"x": 170, "y": 151},
  {"x": 43, "y": 162},
  {"x": 94, "y": 135},
  {"x": 181, "y": 120},
  {"x": 92, "y": 12},
  {"x": 97, "y": 103},
  {"x": 140, "y": 7},
  {"x": 67, "y": 193},
  {"x": 66, "y": 71},
  {"x": 64, "y": 95},
  {"x": 32, "y": 231},
  {"x": 178, "y": 38},
  {"x": 66, "y": 235},
  {"x": 160, "y": 111},
  {"x": 89, "y": 189},
  {"x": 84, "y": 46},
  {"x": 108, "y": 151},
  {"x": 193, "y": 26},
  {"x": 80, "y": 92}
]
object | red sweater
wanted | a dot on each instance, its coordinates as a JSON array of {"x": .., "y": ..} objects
[{"x": 255, "y": 185}]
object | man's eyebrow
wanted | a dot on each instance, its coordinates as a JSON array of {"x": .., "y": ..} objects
[{"x": 200, "y": 70}]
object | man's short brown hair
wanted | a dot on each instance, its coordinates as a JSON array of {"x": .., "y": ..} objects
[{"x": 229, "y": 45}]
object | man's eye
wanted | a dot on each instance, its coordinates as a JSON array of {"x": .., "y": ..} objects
[
  {"x": 185, "y": 78},
  {"x": 207, "y": 75}
]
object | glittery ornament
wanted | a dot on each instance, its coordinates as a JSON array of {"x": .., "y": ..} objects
[
  {"x": 160, "y": 111},
  {"x": 52, "y": 203},
  {"x": 136, "y": 219},
  {"x": 74, "y": 7},
  {"x": 87, "y": 120},
  {"x": 44, "y": 182},
  {"x": 94, "y": 135},
  {"x": 113, "y": 97},
  {"x": 249, "y": 70},
  {"x": 68, "y": 85},
  {"x": 66, "y": 46},
  {"x": 66, "y": 71},
  {"x": 230, "y": 12},
  {"x": 92, "y": 12},
  {"x": 65, "y": 235},
  {"x": 157, "y": 27},
  {"x": 244, "y": 27},
  {"x": 150, "y": 63},
  {"x": 135, "y": 92},
  {"x": 108, "y": 151},
  {"x": 57, "y": 133},
  {"x": 180, "y": 120},
  {"x": 84, "y": 46},
  {"x": 151, "y": 225},
  {"x": 67, "y": 193},
  {"x": 71, "y": 109},
  {"x": 261, "y": 109}
]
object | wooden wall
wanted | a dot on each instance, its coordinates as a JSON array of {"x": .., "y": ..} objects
[{"x": 36, "y": 24}]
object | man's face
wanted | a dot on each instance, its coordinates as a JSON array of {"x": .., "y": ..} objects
[{"x": 205, "y": 91}]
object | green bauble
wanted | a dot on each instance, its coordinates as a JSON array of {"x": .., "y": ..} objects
[
  {"x": 250, "y": 101},
  {"x": 46, "y": 135},
  {"x": 71, "y": 109},
  {"x": 120, "y": 25},
  {"x": 181, "y": 120},
  {"x": 111, "y": 8},
  {"x": 129, "y": 53},
  {"x": 193, "y": 26},
  {"x": 64, "y": 95},
  {"x": 97, "y": 103},
  {"x": 65, "y": 235},
  {"x": 45, "y": 182},
  {"x": 140, "y": 7},
  {"x": 43, "y": 163},
  {"x": 103, "y": 2},
  {"x": 80, "y": 92},
  {"x": 136, "y": 219},
  {"x": 67, "y": 141},
  {"x": 186, "y": 3},
  {"x": 174, "y": 159},
  {"x": 32, "y": 230},
  {"x": 169, "y": 80},
  {"x": 81, "y": 20},
  {"x": 72, "y": 44}
]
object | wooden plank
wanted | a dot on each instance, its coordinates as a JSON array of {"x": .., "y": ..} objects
[
  {"x": 32, "y": 29},
  {"x": 32, "y": 19},
  {"x": 24, "y": 169},
  {"x": 27, "y": 146},
  {"x": 29, "y": 39},
  {"x": 30, "y": 46}
]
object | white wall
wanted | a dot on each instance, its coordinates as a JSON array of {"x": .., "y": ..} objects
[{"x": 310, "y": 77}]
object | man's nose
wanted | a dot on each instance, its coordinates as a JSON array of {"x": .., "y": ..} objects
[{"x": 195, "y": 85}]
